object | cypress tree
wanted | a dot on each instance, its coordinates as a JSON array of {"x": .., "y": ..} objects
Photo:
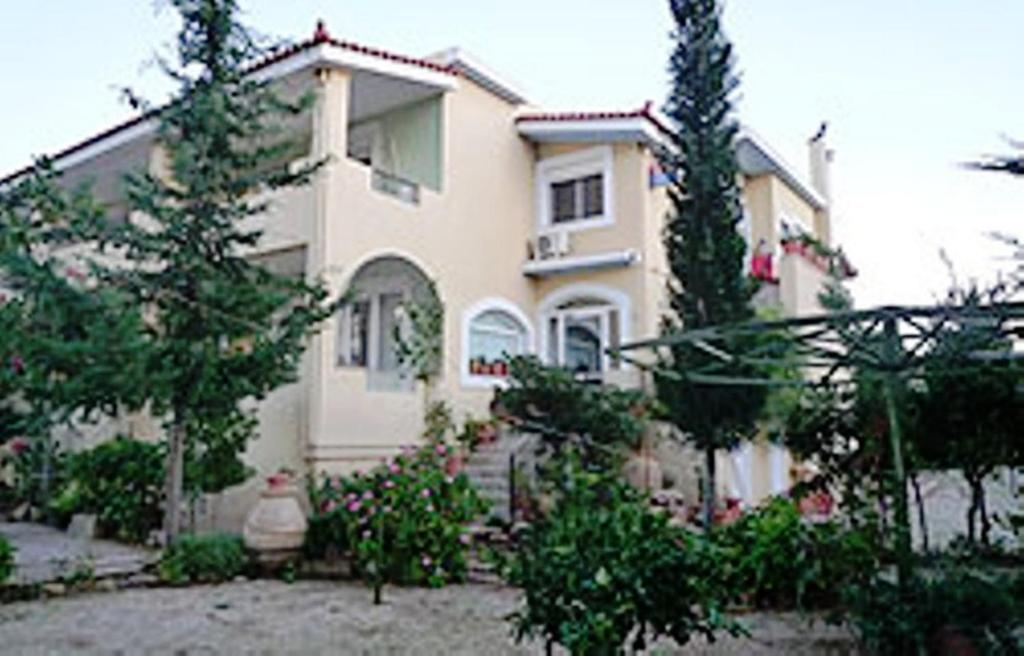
[{"x": 707, "y": 285}]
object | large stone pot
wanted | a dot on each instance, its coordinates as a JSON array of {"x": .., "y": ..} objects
[{"x": 276, "y": 526}]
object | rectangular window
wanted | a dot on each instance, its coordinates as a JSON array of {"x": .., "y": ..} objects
[
  {"x": 593, "y": 195},
  {"x": 584, "y": 347},
  {"x": 579, "y": 336},
  {"x": 563, "y": 201},
  {"x": 359, "y": 334},
  {"x": 554, "y": 350},
  {"x": 390, "y": 323},
  {"x": 579, "y": 198}
]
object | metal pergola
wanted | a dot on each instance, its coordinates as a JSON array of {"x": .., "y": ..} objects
[{"x": 822, "y": 350}]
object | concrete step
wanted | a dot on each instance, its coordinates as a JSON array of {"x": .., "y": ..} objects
[{"x": 486, "y": 473}]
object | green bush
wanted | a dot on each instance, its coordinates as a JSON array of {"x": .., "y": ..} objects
[
  {"x": 601, "y": 570},
  {"x": 779, "y": 560},
  {"x": 605, "y": 422},
  {"x": 6, "y": 559},
  {"x": 410, "y": 514},
  {"x": 203, "y": 559},
  {"x": 955, "y": 602},
  {"x": 29, "y": 459},
  {"x": 121, "y": 482}
]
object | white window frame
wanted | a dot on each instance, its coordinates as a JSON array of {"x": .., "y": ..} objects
[
  {"x": 378, "y": 380},
  {"x": 469, "y": 379},
  {"x": 602, "y": 313},
  {"x": 598, "y": 160},
  {"x": 612, "y": 300},
  {"x": 371, "y": 291}
]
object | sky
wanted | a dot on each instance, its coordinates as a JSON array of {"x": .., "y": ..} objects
[{"x": 911, "y": 91}]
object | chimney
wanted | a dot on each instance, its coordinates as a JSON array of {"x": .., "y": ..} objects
[{"x": 821, "y": 163}]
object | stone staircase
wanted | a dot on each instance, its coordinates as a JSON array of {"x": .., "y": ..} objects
[{"x": 488, "y": 468}]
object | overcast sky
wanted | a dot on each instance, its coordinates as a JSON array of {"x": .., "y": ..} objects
[{"x": 910, "y": 89}]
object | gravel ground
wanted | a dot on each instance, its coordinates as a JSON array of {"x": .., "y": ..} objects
[{"x": 269, "y": 617}]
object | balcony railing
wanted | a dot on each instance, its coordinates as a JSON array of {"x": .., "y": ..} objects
[{"x": 396, "y": 187}]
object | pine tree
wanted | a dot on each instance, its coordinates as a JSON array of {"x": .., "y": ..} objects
[
  {"x": 705, "y": 250},
  {"x": 225, "y": 331}
]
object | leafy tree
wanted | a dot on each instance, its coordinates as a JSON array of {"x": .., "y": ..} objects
[
  {"x": 705, "y": 250},
  {"x": 968, "y": 408},
  {"x": 601, "y": 422},
  {"x": 69, "y": 348},
  {"x": 223, "y": 330}
]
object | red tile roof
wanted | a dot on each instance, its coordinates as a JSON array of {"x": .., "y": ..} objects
[
  {"x": 320, "y": 37},
  {"x": 645, "y": 112}
]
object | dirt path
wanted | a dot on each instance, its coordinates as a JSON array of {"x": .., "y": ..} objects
[{"x": 268, "y": 617}]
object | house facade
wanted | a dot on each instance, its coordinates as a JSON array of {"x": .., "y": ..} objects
[{"x": 538, "y": 232}]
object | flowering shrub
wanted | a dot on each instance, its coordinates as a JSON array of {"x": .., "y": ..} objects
[{"x": 408, "y": 514}]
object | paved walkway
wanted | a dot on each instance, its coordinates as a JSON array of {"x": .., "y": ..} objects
[{"x": 45, "y": 554}]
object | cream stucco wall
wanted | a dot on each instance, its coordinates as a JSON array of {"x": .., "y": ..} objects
[
  {"x": 468, "y": 232},
  {"x": 470, "y": 238}
]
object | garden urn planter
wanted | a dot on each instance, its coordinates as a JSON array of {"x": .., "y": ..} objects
[{"x": 276, "y": 526}]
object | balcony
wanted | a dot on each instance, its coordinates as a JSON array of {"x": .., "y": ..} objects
[
  {"x": 396, "y": 187},
  {"x": 395, "y": 129}
]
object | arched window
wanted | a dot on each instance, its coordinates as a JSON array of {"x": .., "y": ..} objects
[
  {"x": 495, "y": 331},
  {"x": 372, "y": 321},
  {"x": 580, "y": 324}
]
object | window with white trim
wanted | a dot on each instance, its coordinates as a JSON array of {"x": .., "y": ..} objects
[
  {"x": 495, "y": 336},
  {"x": 577, "y": 199},
  {"x": 574, "y": 189},
  {"x": 580, "y": 332}
]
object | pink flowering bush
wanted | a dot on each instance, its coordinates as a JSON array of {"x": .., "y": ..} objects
[{"x": 408, "y": 515}]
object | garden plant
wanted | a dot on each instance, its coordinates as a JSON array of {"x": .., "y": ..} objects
[
  {"x": 405, "y": 520},
  {"x": 602, "y": 573},
  {"x": 203, "y": 559},
  {"x": 6, "y": 559}
]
